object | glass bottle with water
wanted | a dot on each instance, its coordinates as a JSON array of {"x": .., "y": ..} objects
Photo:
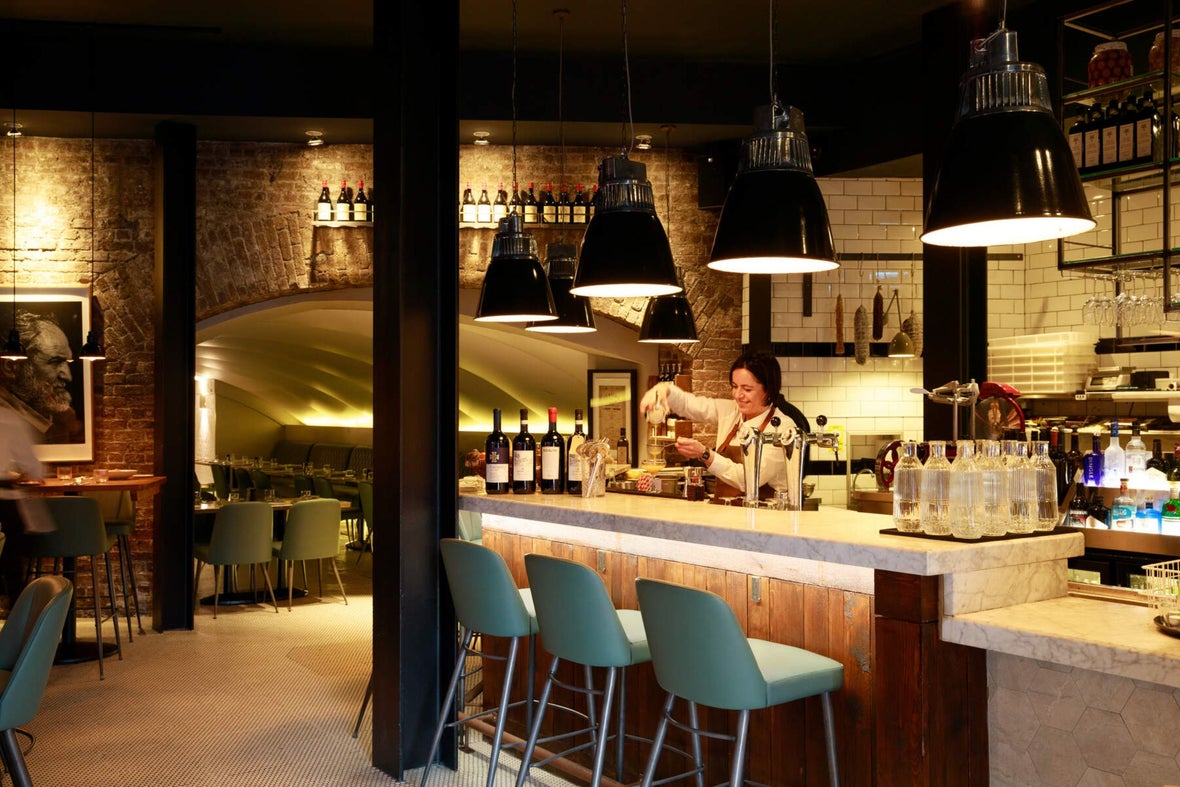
[
  {"x": 993, "y": 478},
  {"x": 935, "y": 515},
  {"x": 1046, "y": 471},
  {"x": 1022, "y": 490},
  {"x": 907, "y": 489},
  {"x": 966, "y": 491}
]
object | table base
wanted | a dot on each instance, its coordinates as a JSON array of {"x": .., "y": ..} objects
[
  {"x": 77, "y": 652},
  {"x": 246, "y": 597}
]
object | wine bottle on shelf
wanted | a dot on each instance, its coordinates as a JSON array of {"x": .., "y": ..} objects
[
  {"x": 1128, "y": 115},
  {"x": 573, "y": 475},
  {"x": 483, "y": 208},
  {"x": 1060, "y": 465},
  {"x": 564, "y": 206},
  {"x": 524, "y": 450},
  {"x": 530, "y": 206},
  {"x": 500, "y": 205},
  {"x": 1156, "y": 460},
  {"x": 548, "y": 206},
  {"x": 496, "y": 458},
  {"x": 1093, "y": 133},
  {"x": 592, "y": 203},
  {"x": 323, "y": 206},
  {"x": 467, "y": 211},
  {"x": 1079, "y": 507},
  {"x": 360, "y": 204},
  {"x": 579, "y": 208},
  {"x": 514, "y": 205},
  {"x": 552, "y": 458},
  {"x": 1174, "y": 468},
  {"x": 343, "y": 204},
  {"x": 1110, "y": 135},
  {"x": 1077, "y": 141},
  {"x": 1074, "y": 455},
  {"x": 1147, "y": 129},
  {"x": 623, "y": 448}
]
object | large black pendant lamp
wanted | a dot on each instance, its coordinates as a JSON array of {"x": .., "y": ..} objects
[
  {"x": 1008, "y": 175},
  {"x": 574, "y": 314}
]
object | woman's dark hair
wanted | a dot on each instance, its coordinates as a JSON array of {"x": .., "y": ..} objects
[{"x": 765, "y": 369}]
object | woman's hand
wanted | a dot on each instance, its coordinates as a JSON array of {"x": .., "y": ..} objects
[
  {"x": 655, "y": 399},
  {"x": 690, "y": 448}
]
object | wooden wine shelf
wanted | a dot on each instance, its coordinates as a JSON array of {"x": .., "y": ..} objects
[{"x": 317, "y": 223}]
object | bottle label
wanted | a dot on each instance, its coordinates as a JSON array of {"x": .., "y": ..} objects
[
  {"x": 499, "y": 212},
  {"x": 497, "y": 473},
  {"x": 523, "y": 466},
  {"x": 1143, "y": 139},
  {"x": 1075, "y": 145},
  {"x": 360, "y": 211},
  {"x": 484, "y": 214},
  {"x": 342, "y": 212},
  {"x": 549, "y": 214},
  {"x": 1122, "y": 517},
  {"x": 324, "y": 211},
  {"x": 1093, "y": 148},
  {"x": 550, "y": 462},
  {"x": 469, "y": 214},
  {"x": 578, "y": 214},
  {"x": 574, "y": 471},
  {"x": 1110, "y": 145},
  {"x": 530, "y": 214},
  {"x": 1126, "y": 142},
  {"x": 563, "y": 214}
]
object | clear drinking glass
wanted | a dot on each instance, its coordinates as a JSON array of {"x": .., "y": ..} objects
[
  {"x": 966, "y": 493},
  {"x": 907, "y": 489},
  {"x": 935, "y": 516}
]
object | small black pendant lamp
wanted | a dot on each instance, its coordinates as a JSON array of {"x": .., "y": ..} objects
[
  {"x": 668, "y": 319},
  {"x": 13, "y": 349},
  {"x": 574, "y": 314},
  {"x": 92, "y": 350}
]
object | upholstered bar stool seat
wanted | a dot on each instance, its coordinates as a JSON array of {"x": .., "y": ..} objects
[{"x": 700, "y": 654}]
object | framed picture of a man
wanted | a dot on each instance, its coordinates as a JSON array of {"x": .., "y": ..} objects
[{"x": 51, "y": 389}]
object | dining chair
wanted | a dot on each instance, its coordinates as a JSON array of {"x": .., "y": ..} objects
[
  {"x": 312, "y": 533},
  {"x": 365, "y": 494},
  {"x": 243, "y": 483},
  {"x": 220, "y": 480},
  {"x": 260, "y": 479},
  {"x": 28, "y": 643},
  {"x": 242, "y": 535},
  {"x": 322, "y": 486}
]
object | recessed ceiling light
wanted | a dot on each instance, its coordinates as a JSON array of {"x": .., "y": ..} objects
[
  {"x": 643, "y": 141},
  {"x": 314, "y": 138},
  {"x": 14, "y": 128},
  {"x": 481, "y": 137}
]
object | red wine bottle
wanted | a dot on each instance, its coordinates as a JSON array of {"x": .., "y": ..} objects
[
  {"x": 483, "y": 208},
  {"x": 496, "y": 457},
  {"x": 343, "y": 204},
  {"x": 500, "y": 205},
  {"x": 552, "y": 458},
  {"x": 573, "y": 476},
  {"x": 360, "y": 205},
  {"x": 548, "y": 206},
  {"x": 580, "y": 208},
  {"x": 564, "y": 206},
  {"x": 323, "y": 207},
  {"x": 530, "y": 206},
  {"x": 524, "y": 451},
  {"x": 467, "y": 211}
]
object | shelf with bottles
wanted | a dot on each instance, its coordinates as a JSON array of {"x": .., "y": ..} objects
[
  {"x": 1102, "y": 94},
  {"x": 529, "y": 227},
  {"x": 333, "y": 223}
]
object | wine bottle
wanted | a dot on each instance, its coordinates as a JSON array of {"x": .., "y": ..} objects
[
  {"x": 1174, "y": 469},
  {"x": 514, "y": 204},
  {"x": 530, "y": 206},
  {"x": 360, "y": 205},
  {"x": 552, "y": 458},
  {"x": 1079, "y": 508},
  {"x": 579, "y": 208},
  {"x": 496, "y": 458},
  {"x": 564, "y": 206},
  {"x": 500, "y": 206},
  {"x": 623, "y": 449},
  {"x": 1060, "y": 465},
  {"x": 548, "y": 206},
  {"x": 1147, "y": 130},
  {"x": 323, "y": 206},
  {"x": 524, "y": 450},
  {"x": 343, "y": 204},
  {"x": 1077, "y": 141},
  {"x": 1156, "y": 460},
  {"x": 1128, "y": 115},
  {"x": 467, "y": 211},
  {"x": 592, "y": 203},
  {"x": 1110, "y": 135},
  {"x": 573, "y": 475},
  {"x": 1093, "y": 151},
  {"x": 1074, "y": 456},
  {"x": 483, "y": 208}
]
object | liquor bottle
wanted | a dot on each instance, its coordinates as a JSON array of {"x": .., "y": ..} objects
[
  {"x": 623, "y": 449},
  {"x": 1079, "y": 507},
  {"x": 1128, "y": 115},
  {"x": 935, "y": 514},
  {"x": 1074, "y": 456},
  {"x": 1156, "y": 460},
  {"x": 323, "y": 206},
  {"x": 1170, "y": 515},
  {"x": 1147, "y": 130},
  {"x": 343, "y": 204},
  {"x": 1136, "y": 455},
  {"x": 483, "y": 208},
  {"x": 966, "y": 493},
  {"x": 514, "y": 203},
  {"x": 1148, "y": 519},
  {"x": 552, "y": 458},
  {"x": 1046, "y": 481},
  {"x": 524, "y": 450},
  {"x": 548, "y": 206},
  {"x": 496, "y": 457},
  {"x": 592, "y": 203},
  {"x": 1077, "y": 141},
  {"x": 1114, "y": 459},
  {"x": 500, "y": 206},
  {"x": 1060, "y": 464},
  {"x": 1092, "y": 464},
  {"x": 1110, "y": 135},
  {"x": 1099, "y": 515},
  {"x": 1122, "y": 511},
  {"x": 579, "y": 209},
  {"x": 1093, "y": 135},
  {"x": 907, "y": 490},
  {"x": 360, "y": 204},
  {"x": 564, "y": 206},
  {"x": 467, "y": 211},
  {"x": 530, "y": 206},
  {"x": 573, "y": 475}
]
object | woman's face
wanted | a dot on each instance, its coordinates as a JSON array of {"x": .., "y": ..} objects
[{"x": 749, "y": 394}]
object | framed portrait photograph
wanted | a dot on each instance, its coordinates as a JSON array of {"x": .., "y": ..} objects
[
  {"x": 51, "y": 389},
  {"x": 613, "y": 404}
]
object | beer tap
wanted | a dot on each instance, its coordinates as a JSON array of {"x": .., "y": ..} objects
[{"x": 793, "y": 444}]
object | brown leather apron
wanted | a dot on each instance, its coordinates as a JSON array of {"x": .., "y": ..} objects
[{"x": 725, "y": 494}]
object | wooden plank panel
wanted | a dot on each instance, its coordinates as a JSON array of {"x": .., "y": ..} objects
[
  {"x": 853, "y": 705},
  {"x": 789, "y": 721},
  {"x": 817, "y": 614}
]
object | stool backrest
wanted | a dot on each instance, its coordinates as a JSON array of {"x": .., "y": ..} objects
[
  {"x": 78, "y": 529},
  {"x": 485, "y": 595},
  {"x": 577, "y": 619},
  {"x": 242, "y": 533},
  {"x": 698, "y": 648},
  {"x": 114, "y": 505},
  {"x": 260, "y": 479},
  {"x": 312, "y": 530},
  {"x": 28, "y": 644}
]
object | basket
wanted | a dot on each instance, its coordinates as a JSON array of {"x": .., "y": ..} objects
[{"x": 1162, "y": 586}]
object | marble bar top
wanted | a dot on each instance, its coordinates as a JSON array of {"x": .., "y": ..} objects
[{"x": 831, "y": 535}]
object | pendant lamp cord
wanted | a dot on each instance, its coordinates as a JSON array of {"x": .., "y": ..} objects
[
  {"x": 514, "y": 180},
  {"x": 14, "y": 128},
  {"x": 1003, "y": 13},
  {"x": 561, "y": 15},
  {"x": 668, "y": 180},
  {"x": 770, "y": 29},
  {"x": 93, "y": 226},
  {"x": 629, "y": 129}
]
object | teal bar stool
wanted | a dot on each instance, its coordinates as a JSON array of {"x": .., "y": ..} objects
[
  {"x": 488, "y": 603},
  {"x": 700, "y": 654},
  {"x": 580, "y": 625}
]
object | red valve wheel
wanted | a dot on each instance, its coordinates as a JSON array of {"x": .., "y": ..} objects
[{"x": 887, "y": 459}]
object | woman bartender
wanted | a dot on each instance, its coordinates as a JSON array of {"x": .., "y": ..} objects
[{"x": 755, "y": 379}]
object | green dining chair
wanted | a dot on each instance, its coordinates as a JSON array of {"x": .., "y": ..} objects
[
  {"x": 220, "y": 480},
  {"x": 365, "y": 523},
  {"x": 28, "y": 644},
  {"x": 312, "y": 533},
  {"x": 242, "y": 535},
  {"x": 700, "y": 654}
]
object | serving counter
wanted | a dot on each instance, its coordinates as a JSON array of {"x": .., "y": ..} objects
[{"x": 912, "y": 619}]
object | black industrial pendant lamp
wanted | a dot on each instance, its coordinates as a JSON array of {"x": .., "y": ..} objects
[
  {"x": 92, "y": 350},
  {"x": 515, "y": 288},
  {"x": 774, "y": 219},
  {"x": 625, "y": 251},
  {"x": 1008, "y": 175},
  {"x": 573, "y": 313},
  {"x": 13, "y": 349},
  {"x": 668, "y": 319}
]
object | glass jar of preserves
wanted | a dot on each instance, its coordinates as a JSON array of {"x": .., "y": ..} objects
[
  {"x": 1110, "y": 62},
  {"x": 1155, "y": 57}
]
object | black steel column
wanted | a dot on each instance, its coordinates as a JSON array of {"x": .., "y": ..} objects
[
  {"x": 174, "y": 316},
  {"x": 415, "y": 362}
]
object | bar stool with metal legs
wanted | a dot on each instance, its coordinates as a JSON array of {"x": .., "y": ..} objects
[
  {"x": 700, "y": 654},
  {"x": 580, "y": 625},
  {"x": 487, "y": 603}
]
